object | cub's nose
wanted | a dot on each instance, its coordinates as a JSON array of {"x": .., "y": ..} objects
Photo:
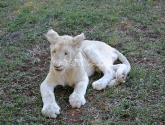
[{"x": 57, "y": 66}]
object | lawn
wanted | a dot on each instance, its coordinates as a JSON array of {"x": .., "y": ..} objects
[{"x": 135, "y": 27}]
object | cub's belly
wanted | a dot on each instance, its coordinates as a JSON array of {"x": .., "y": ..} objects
[{"x": 90, "y": 69}]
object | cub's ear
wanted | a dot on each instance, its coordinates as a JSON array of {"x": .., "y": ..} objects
[
  {"x": 78, "y": 40},
  {"x": 52, "y": 36}
]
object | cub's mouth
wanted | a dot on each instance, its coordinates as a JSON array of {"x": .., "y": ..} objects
[{"x": 58, "y": 70}]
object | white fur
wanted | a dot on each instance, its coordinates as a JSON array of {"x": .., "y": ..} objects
[{"x": 73, "y": 60}]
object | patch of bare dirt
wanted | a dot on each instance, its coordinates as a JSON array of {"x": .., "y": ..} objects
[
  {"x": 72, "y": 116},
  {"x": 69, "y": 115},
  {"x": 15, "y": 35},
  {"x": 148, "y": 61}
]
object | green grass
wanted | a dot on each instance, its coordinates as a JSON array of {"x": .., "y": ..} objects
[{"x": 136, "y": 28}]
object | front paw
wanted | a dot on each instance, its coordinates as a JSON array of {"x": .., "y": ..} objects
[
  {"x": 76, "y": 100},
  {"x": 51, "y": 110}
]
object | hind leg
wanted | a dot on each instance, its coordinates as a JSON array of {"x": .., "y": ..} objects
[
  {"x": 102, "y": 82},
  {"x": 103, "y": 64}
]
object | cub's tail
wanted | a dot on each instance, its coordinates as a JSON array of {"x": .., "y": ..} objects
[{"x": 124, "y": 60}]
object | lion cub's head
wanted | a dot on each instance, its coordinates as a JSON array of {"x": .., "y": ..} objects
[{"x": 63, "y": 49}]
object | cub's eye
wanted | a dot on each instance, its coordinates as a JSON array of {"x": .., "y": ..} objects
[
  {"x": 54, "y": 51},
  {"x": 66, "y": 53}
]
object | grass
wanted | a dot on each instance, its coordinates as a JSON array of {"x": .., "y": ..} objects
[{"x": 136, "y": 28}]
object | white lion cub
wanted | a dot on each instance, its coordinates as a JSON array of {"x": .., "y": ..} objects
[{"x": 73, "y": 60}]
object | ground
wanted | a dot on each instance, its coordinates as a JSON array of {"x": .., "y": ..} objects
[{"x": 135, "y": 27}]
